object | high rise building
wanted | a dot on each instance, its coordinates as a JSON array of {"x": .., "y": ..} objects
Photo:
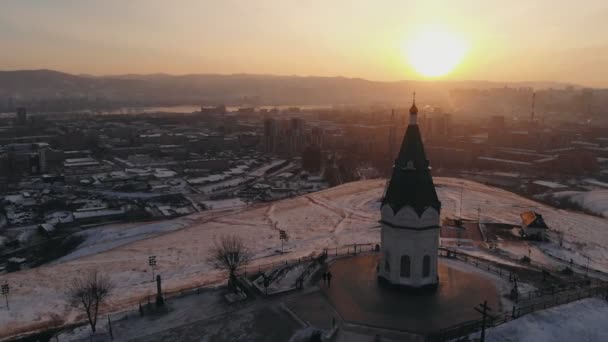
[
  {"x": 270, "y": 135},
  {"x": 410, "y": 217},
  {"x": 21, "y": 116},
  {"x": 24, "y": 159},
  {"x": 437, "y": 126},
  {"x": 296, "y": 136},
  {"x": 284, "y": 137},
  {"x": 316, "y": 136},
  {"x": 586, "y": 101},
  {"x": 496, "y": 130}
]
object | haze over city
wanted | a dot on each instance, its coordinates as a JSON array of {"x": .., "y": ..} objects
[
  {"x": 303, "y": 171},
  {"x": 539, "y": 40}
]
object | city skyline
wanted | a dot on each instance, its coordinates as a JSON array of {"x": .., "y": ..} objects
[
  {"x": 200, "y": 170},
  {"x": 361, "y": 40}
]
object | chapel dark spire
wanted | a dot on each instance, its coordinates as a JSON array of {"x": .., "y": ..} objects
[{"x": 411, "y": 183}]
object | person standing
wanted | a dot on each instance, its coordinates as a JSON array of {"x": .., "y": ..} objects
[
  {"x": 329, "y": 275},
  {"x": 324, "y": 278}
]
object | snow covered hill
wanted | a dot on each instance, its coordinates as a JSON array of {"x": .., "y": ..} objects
[
  {"x": 339, "y": 216},
  {"x": 595, "y": 201},
  {"x": 584, "y": 320}
]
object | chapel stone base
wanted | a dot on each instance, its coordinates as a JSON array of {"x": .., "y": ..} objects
[{"x": 427, "y": 288}]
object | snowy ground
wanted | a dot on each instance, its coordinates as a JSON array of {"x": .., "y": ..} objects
[
  {"x": 262, "y": 170},
  {"x": 595, "y": 201},
  {"x": 339, "y": 216},
  {"x": 225, "y": 203},
  {"x": 104, "y": 238},
  {"x": 584, "y": 320},
  {"x": 584, "y": 235}
]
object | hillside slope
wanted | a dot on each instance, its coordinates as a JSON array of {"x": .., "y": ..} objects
[{"x": 342, "y": 215}]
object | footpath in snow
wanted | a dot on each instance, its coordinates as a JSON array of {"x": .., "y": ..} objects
[{"x": 339, "y": 216}]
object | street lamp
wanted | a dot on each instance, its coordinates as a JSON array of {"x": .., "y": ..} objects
[
  {"x": 5, "y": 290},
  {"x": 284, "y": 237},
  {"x": 152, "y": 263}
]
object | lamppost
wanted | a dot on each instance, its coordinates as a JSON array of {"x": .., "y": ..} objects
[
  {"x": 283, "y": 236},
  {"x": 152, "y": 263},
  {"x": 5, "y": 290}
]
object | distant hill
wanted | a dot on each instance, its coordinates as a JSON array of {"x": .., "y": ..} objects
[{"x": 238, "y": 89}]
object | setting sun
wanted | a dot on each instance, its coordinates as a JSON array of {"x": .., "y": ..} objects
[{"x": 435, "y": 52}]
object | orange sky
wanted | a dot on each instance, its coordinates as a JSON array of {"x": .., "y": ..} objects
[{"x": 508, "y": 41}]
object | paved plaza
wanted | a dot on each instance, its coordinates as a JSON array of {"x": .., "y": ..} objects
[{"x": 359, "y": 298}]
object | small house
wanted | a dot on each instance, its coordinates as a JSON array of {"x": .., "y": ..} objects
[
  {"x": 533, "y": 225},
  {"x": 46, "y": 229}
]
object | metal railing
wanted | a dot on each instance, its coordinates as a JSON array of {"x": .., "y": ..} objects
[
  {"x": 471, "y": 327},
  {"x": 357, "y": 249},
  {"x": 134, "y": 311}
]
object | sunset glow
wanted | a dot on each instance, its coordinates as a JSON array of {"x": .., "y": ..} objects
[
  {"x": 435, "y": 52},
  {"x": 387, "y": 40}
]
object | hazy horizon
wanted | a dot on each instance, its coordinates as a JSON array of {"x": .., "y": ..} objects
[
  {"x": 539, "y": 41},
  {"x": 430, "y": 80}
]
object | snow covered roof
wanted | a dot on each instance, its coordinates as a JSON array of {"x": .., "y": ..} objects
[
  {"x": 545, "y": 160},
  {"x": 164, "y": 173},
  {"x": 508, "y": 161},
  {"x": 59, "y": 217},
  {"x": 548, "y": 184},
  {"x": 208, "y": 179},
  {"x": 18, "y": 198},
  {"x": 595, "y": 182},
  {"x": 506, "y": 174},
  {"x": 584, "y": 143},
  {"x": 285, "y": 175},
  {"x": 79, "y": 160},
  {"x": 25, "y": 236},
  {"x": 17, "y": 260},
  {"x": 563, "y": 149},
  {"x": 98, "y": 213},
  {"x": 47, "y": 227}
]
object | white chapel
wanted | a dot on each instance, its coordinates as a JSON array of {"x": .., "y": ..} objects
[{"x": 410, "y": 217}]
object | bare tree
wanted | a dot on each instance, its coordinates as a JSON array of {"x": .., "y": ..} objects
[
  {"x": 229, "y": 253},
  {"x": 88, "y": 293}
]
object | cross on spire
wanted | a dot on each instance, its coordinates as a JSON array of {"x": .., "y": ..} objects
[{"x": 413, "y": 110}]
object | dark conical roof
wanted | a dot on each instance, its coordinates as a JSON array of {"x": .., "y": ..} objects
[{"x": 411, "y": 183}]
